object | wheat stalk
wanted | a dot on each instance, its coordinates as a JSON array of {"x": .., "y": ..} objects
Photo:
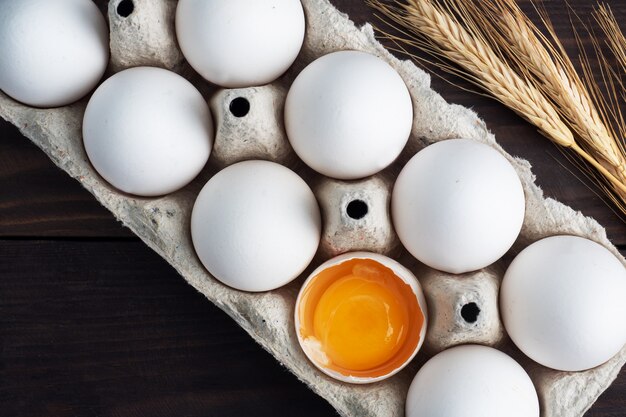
[
  {"x": 616, "y": 95},
  {"x": 492, "y": 39},
  {"x": 615, "y": 37},
  {"x": 549, "y": 68},
  {"x": 491, "y": 72}
]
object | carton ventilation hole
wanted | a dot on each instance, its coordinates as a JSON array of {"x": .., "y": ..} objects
[
  {"x": 470, "y": 312},
  {"x": 125, "y": 8},
  {"x": 356, "y": 209},
  {"x": 239, "y": 107}
]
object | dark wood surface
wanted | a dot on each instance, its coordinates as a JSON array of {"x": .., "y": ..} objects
[{"x": 93, "y": 323}]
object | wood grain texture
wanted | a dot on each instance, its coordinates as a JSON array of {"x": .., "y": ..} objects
[
  {"x": 38, "y": 199},
  {"x": 109, "y": 329},
  {"x": 92, "y": 323}
]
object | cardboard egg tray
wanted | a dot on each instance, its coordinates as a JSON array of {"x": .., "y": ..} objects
[{"x": 147, "y": 37}]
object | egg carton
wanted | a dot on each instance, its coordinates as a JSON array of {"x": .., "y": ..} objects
[{"x": 463, "y": 309}]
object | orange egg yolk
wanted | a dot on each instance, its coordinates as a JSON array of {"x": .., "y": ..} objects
[{"x": 358, "y": 318}]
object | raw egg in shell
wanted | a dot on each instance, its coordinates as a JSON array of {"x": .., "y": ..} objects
[{"x": 361, "y": 317}]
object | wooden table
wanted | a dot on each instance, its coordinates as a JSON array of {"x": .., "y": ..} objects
[{"x": 93, "y": 323}]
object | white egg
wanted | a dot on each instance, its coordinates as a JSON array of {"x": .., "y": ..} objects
[
  {"x": 458, "y": 205},
  {"x": 240, "y": 43},
  {"x": 472, "y": 381},
  {"x": 147, "y": 131},
  {"x": 348, "y": 115},
  {"x": 562, "y": 303},
  {"x": 256, "y": 225},
  {"x": 53, "y": 52}
]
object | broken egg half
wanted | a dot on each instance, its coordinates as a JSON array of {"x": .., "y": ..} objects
[{"x": 361, "y": 317}]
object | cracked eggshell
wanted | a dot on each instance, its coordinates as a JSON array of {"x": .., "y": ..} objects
[
  {"x": 311, "y": 348},
  {"x": 458, "y": 205},
  {"x": 562, "y": 303},
  {"x": 53, "y": 52},
  {"x": 256, "y": 226},
  {"x": 342, "y": 124},
  {"x": 472, "y": 381},
  {"x": 240, "y": 43},
  {"x": 147, "y": 131}
]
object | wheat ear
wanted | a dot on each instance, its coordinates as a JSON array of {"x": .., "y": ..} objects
[
  {"x": 616, "y": 40},
  {"x": 549, "y": 68},
  {"x": 439, "y": 32}
]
